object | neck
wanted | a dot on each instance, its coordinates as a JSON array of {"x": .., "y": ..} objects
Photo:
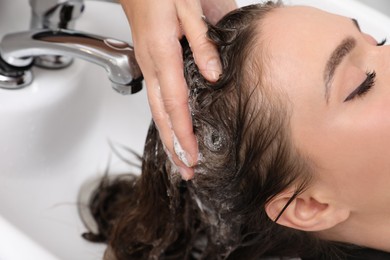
[{"x": 370, "y": 231}]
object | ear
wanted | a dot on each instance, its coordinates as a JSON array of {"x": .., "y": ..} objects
[{"x": 306, "y": 212}]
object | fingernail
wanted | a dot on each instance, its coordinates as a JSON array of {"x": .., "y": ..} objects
[
  {"x": 186, "y": 174},
  {"x": 181, "y": 154},
  {"x": 213, "y": 68}
]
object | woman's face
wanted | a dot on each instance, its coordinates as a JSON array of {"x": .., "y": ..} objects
[{"x": 341, "y": 111}]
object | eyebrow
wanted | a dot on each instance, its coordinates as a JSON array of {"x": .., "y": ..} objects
[{"x": 337, "y": 56}]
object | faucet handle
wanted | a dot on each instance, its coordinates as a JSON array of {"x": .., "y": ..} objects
[{"x": 55, "y": 14}]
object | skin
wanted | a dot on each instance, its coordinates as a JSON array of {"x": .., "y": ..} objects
[
  {"x": 157, "y": 27},
  {"x": 347, "y": 143}
]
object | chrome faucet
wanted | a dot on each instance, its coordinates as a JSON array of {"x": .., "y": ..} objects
[{"x": 52, "y": 44}]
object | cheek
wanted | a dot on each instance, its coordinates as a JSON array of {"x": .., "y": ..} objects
[
  {"x": 363, "y": 136},
  {"x": 349, "y": 143},
  {"x": 353, "y": 150}
]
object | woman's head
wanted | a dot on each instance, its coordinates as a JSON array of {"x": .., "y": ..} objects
[
  {"x": 309, "y": 92},
  {"x": 337, "y": 81},
  {"x": 248, "y": 159},
  {"x": 284, "y": 125}
]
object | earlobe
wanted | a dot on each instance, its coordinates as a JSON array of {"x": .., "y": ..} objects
[{"x": 306, "y": 212}]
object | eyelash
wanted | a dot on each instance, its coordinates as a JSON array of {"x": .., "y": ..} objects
[
  {"x": 367, "y": 84},
  {"x": 382, "y": 42}
]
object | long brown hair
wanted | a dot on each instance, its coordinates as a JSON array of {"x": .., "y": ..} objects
[{"x": 246, "y": 159}]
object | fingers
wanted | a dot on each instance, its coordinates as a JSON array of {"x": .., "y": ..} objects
[
  {"x": 195, "y": 29},
  {"x": 168, "y": 99},
  {"x": 164, "y": 126},
  {"x": 156, "y": 32},
  {"x": 174, "y": 96},
  {"x": 169, "y": 103}
]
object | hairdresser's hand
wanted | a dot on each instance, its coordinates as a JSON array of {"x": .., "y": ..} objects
[{"x": 157, "y": 27}]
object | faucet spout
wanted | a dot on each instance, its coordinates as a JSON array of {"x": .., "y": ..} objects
[{"x": 116, "y": 57}]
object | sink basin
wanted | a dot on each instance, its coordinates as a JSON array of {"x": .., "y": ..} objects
[{"x": 55, "y": 134}]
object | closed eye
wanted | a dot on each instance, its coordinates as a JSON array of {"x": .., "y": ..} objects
[{"x": 363, "y": 88}]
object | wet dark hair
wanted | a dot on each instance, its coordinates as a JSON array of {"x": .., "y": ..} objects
[{"x": 247, "y": 158}]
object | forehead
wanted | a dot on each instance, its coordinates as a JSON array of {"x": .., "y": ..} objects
[
  {"x": 303, "y": 32},
  {"x": 301, "y": 21},
  {"x": 298, "y": 41}
]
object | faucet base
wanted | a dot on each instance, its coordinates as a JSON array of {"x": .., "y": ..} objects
[
  {"x": 53, "y": 61},
  {"x": 22, "y": 80},
  {"x": 13, "y": 77}
]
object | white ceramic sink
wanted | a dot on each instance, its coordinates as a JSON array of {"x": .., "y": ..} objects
[{"x": 54, "y": 135}]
